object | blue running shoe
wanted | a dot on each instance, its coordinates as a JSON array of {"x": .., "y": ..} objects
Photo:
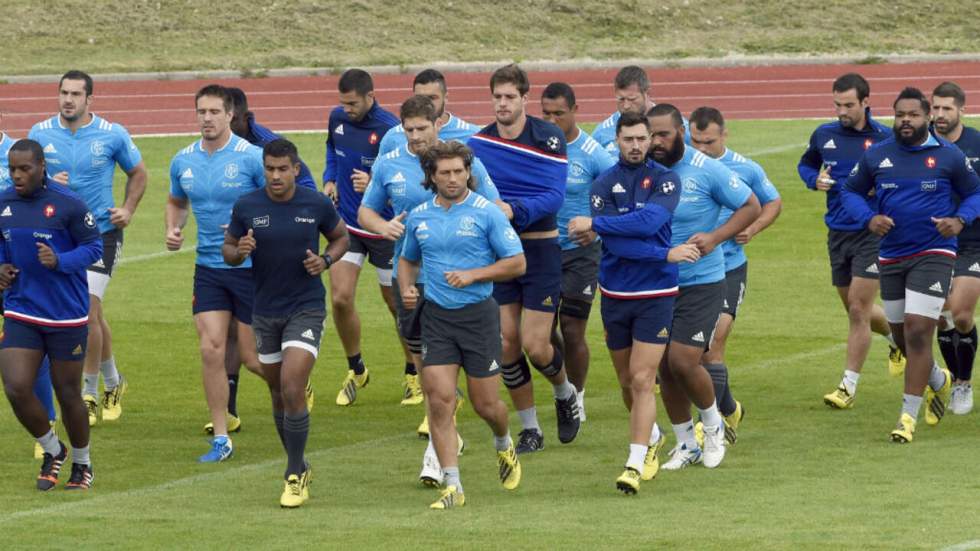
[{"x": 220, "y": 450}]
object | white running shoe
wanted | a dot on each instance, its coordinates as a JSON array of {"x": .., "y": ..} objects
[
  {"x": 714, "y": 446},
  {"x": 961, "y": 402},
  {"x": 431, "y": 474},
  {"x": 681, "y": 457}
]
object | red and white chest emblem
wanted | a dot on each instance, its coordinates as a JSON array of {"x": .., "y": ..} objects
[
  {"x": 646, "y": 183},
  {"x": 373, "y": 139},
  {"x": 48, "y": 211},
  {"x": 868, "y": 143},
  {"x": 931, "y": 162}
]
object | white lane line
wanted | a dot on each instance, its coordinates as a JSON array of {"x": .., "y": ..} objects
[
  {"x": 150, "y": 256},
  {"x": 772, "y": 150}
]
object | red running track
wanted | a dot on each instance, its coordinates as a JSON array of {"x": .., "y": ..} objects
[{"x": 303, "y": 103}]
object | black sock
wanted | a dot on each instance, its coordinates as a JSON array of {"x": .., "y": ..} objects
[
  {"x": 723, "y": 395},
  {"x": 947, "y": 346},
  {"x": 278, "y": 417},
  {"x": 233, "y": 394},
  {"x": 410, "y": 368},
  {"x": 296, "y": 429},
  {"x": 356, "y": 363},
  {"x": 966, "y": 352}
]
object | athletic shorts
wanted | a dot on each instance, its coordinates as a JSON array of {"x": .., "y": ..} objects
[
  {"x": 644, "y": 319},
  {"x": 467, "y": 336},
  {"x": 852, "y": 254},
  {"x": 916, "y": 285},
  {"x": 579, "y": 275},
  {"x": 735, "y": 281},
  {"x": 696, "y": 312},
  {"x": 540, "y": 287},
  {"x": 302, "y": 330},
  {"x": 379, "y": 252},
  {"x": 100, "y": 272},
  {"x": 58, "y": 343},
  {"x": 409, "y": 324},
  {"x": 224, "y": 289},
  {"x": 967, "y": 261}
]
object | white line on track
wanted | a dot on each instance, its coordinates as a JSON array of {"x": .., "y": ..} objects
[{"x": 150, "y": 256}]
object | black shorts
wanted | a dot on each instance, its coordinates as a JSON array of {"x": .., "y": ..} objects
[
  {"x": 302, "y": 330},
  {"x": 627, "y": 320},
  {"x": 696, "y": 312},
  {"x": 409, "y": 324},
  {"x": 928, "y": 274},
  {"x": 99, "y": 273},
  {"x": 735, "y": 281},
  {"x": 852, "y": 254},
  {"x": 579, "y": 275},
  {"x": 540, "y": 286},
  {"x": 224, "y": 289},
  {"x": 467, "y": 336},
  {"x": 378, "y": 251},
  {"x": 967, "y": 261},
  {"x": 58, "y": 343}
]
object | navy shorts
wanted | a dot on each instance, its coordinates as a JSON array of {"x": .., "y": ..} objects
[
  {"x": 59, "y": 343},
  {"x": 643, "y": 319},
  {"x": 540, "y": 286},
  {"x": 224, "y": 289}
]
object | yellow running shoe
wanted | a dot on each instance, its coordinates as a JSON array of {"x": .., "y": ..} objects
[
  {"x": 938, "y": 401},
  {"x": 295, "y": 493},
  {"x": 448, "y": 499},
  {"x": 310, "y": 397},
  {"x": 423, "y": 430},
  {"x": 904, "y": 429},
  {"x": 732, "y": 421},
  {"x": 509, "y": 468},
  {"x": 93, "y": 409},
  {"x": 896, "y": 362},
  {"x": 112, "y": 401},
  {"x": 651, "y": 463},
  {"x": 839, "y": 399},
  {"x": 413, "y": 391},
  {"x": 348, "y": 391},
  {"x": 629, "y": 481},
  {"x": 232, "y": 422}
]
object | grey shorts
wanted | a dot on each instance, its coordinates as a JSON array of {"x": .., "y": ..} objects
[
  {"x": 579, "y": 276},
  {"x": 967, "y": 261},
  {"x": 735, "y": 281},
  {"x": 467, "y": 336},
  {"x": 696, "y": 312},
  {"x": 378, "y": 252},
  {"x": 928, "y": 274},
  {"x": 409, "y": 324},
  {"x": 852, "y": 254},
  {"x": 302, "y": 330}
]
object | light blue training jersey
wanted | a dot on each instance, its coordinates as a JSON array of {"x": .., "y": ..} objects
[
  {"x": 454, "y": 129},
  {"x": 755, "y": 177},
  {"x": 5, "y": 144},
  {"x": 586, "y": 161}
]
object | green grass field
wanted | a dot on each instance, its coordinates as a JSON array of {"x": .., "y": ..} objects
[
  {"x": 801, "y": 476},
  {"x": 248, "y": 36}
]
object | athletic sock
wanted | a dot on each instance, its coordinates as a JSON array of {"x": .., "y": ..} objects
[
  {"x": 564, "y": 391},
  {"x": 410, "y": 368},
  {"x": 891, "y": 340},
  {"x": 80, "y": 456},
  {"x": 296, "y": 429},
  {"x": 529, "y": 418},
  {"x": 850, "y": 381},
  {"x": 43, "y": 390},
  {"x": 685, "y": 434},
  {"x": 710, "y": 416},
  {"x": 356, "y": 363},
  {"x": 49, "y": 443},
  {"x": 233, "y": 394},
  {"x": 450, "y": 477},
  {"x": 110, "y": 376},
  {"x": 723, "y": 394},
  {"x": 655, "y": 434},
  {"x": 638, "y": 452},
  {"x": 911, "y": 405},
  {"x": 91, "y": 385},
  {"x": 279, "y": 418},
  {"x": 936, "y": 377},
  {"x": 966, "y": 353},
  {"x": 948, "y": 348},
  {"x": 502, "y": 443}
]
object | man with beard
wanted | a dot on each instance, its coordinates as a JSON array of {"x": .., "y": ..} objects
[
  {"x": 915, "y": 176},
  {"x": 707, "y": 186},
  {"x": 958, "y": 333},
  {"x": 834, "y": 149}
]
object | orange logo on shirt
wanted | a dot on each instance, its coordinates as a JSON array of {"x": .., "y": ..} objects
[
  {"x": 373, "y": 139},
  {"x": 931, "y": 162},
  {"x": 49, "y": 211}
]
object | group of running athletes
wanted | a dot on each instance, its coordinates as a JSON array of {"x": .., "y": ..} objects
[{"x": 511, "y": 234}]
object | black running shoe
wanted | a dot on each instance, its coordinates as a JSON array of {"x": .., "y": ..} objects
[
  {"x": 50, "y": 468},
  {"x": 568, "y": 421},
  {"x": 81, "y": 477},
  {"x": 530, "y": 440}
]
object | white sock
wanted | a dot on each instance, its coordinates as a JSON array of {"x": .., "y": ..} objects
[
  {"x": 49, "y": 442},
  {"x": 80, "y": 456},
  {"x": 91, "y": 385},
  {"x": 710, "y": 417},
  {"x": 110, "y": 376},
  {"x": 502, "y": 443},
  {"x": 580, "y": 398},
  {"x": 638, "y": 453},
  {"x": 850, "y": 381},
  {"x": 936, "y": 377},
  {"x": 529, "y": 418},
  {"x": 655, "y": 434},
  {"x": 563, "y": 391},
  {"x": 891, "y": 340},
  {"x": 685, "y": 434},
  {"x": 911, "y": 404}
]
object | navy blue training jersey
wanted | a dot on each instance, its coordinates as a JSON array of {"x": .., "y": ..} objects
[
  {"x": 283, "y": 232},
  {"x": 969, "y": 144},
  {"x": 259, "y": 135},
  {"x": 840, "y": 147},
  {"x": 60, "y": 219}
]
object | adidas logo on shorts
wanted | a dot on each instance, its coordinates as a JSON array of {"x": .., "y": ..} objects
[
  {"x": 663, "y": 334},
  {"x": 587, "y": 290},
  {"x": 547, "y": 302},
  {"x": 872, "y": 269},
  {"x": 308, "y": 334},
  {"x": 494, "y": 366},
  {"x": 937, "y": 287},
  {"x": 975, "y": 267},
  {"x": 699, "y": 337}
]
